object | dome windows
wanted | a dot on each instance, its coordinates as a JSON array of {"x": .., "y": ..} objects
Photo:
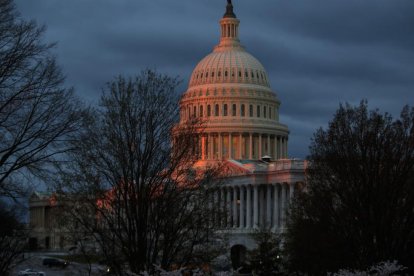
[
  {"x": 234, "y": 110},
  {"x": 216, "y": 110},
  {"x": 208, "y": 110},
  {"x": 242, "y": 110},
  {"x": 225, "y": 110}
]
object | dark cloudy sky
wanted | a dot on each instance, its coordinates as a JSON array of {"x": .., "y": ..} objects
[{"x": 317, "y": 53}]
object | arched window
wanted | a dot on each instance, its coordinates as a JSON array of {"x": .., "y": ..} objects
[
  {"x": 225, "y": 73},
  {"x": 216, "y": 110},
  {"x": 264, "y": 111},
  {"x": 234, "y": 110},
  {"x": 225, "y": 110},
  {"x": 212, "y": 74},
  {"x": 195, "y": 111},
  {"x": 242, "y": 110},
  {"x": 219, "y": 73},
  {"x": 251, "y": 110},
  {"x": 239, "y": 74},
  {"x": 258, "y": 111},
  {"x": 201, "y": 111},
  {"x": 246, "y": 74},
  {"x": 208, "y": 110}
]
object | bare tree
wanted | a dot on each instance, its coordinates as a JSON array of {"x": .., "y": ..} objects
[
  {"x": 359, "y": 206},
  {"x": 146, "y": 202},
  {"x": 12, "y": 237},
  {"x": 36, "y": 111}
]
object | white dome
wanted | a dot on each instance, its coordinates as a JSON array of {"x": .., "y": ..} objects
[{"x": 229, "y": 65}]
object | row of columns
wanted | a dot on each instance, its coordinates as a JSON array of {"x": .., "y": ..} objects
[
  {"x": 240, "y": 146},
  {"x": 252, "y": 206}
]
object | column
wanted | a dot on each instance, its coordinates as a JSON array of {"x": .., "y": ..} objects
[
  {"x": 228, "y": 205},
  {"x": 260, "y": 147},
  {"x": 230, "y": 146},
  {"x": 276, "y": 149},
  {"x": 275, "y": 206},
  {"x": 222, "y": 204},
  {"x": 216, "y": 213},
  {"x": 282, "y": 206},
  {"x": 240, "y": 146},
  {"x": 250, "y": 146},
  {"x": 268, "y": 206},
  {"x": 210, "y": 146},
  {"x": 268, "y": 145},
  {"x": 255, "y": 206},
  {"x": 291, "y": 190},
  {"x": 242, "y": 203},
  {"x": 235, "y": 216},
  {"x": 280, "y": 147},
  {"x": 43, "y": 217},
  {"x": 262, "y": 205},
  {"x": 220, "y": 146},
  {"x": 248, "y": 207},
  {"x": 203, "y": 148}
]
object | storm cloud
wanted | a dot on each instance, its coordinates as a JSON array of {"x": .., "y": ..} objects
[{"x": 317, "y": 53}]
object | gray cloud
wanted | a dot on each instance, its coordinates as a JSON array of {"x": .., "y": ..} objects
[{"x": 317, "y": 53}]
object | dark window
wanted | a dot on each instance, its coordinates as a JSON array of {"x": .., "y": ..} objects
[
  {"x": 270, "y": 113},
  {"x": 225, "y": 73},
  {"x": 225, "y": 110},
  {"x": 242, "y": 110},
  {"x": 208, "y": 111},
  {"x": 216, "y": 110},
  {"x": 258, "y": 111},
  {"x": 246, "y": 74},
  {"x": 239, "y": 74},
  {"x": 234, "y": 110},
  {"x": 219, "y": 73},
  {"x": 195, "y": 111},
  {"x": 201, "y": 111},
  {"x": 251, "y": 110}
]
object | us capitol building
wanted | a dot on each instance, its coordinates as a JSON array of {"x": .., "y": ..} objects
[{"x": 229, "y": 89}]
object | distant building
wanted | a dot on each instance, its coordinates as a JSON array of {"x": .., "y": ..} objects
[
  {"x": 230, "y": 90},
  {"x": 46, "y": 227}
]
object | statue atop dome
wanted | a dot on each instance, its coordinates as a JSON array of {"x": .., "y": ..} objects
[{"x": 229, "y": 10}]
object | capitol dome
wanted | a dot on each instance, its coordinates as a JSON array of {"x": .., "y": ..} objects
[
  {"x": 233, "y": 65},
  {"x": 229, "y": 90}
]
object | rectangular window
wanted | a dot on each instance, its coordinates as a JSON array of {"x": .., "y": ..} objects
[
  {"x": 234, "y": 110},
  {"x": 258, "y": 111},
  {"x": 251, "y": 110}
]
